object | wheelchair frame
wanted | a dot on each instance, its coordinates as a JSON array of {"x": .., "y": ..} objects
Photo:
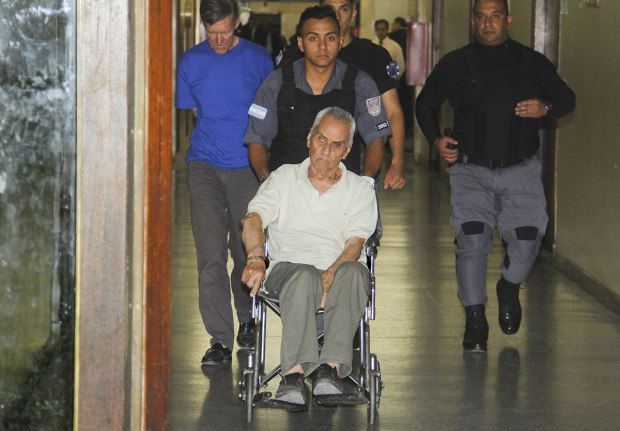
[{"x": 368, "y": 381}]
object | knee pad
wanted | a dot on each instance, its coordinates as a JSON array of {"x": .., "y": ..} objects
[
  {"x": 474, "y": 237},
  {"x": 527, "y": 233},
  {"x": 521, "y": 247}
]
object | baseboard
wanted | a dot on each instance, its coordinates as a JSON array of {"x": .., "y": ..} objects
[{"x": 594, "y": 287}]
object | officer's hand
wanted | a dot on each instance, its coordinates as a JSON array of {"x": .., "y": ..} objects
[
  {"x": 441, "y": 144},
  {"x": 395, "y": 177},
  {"x": 531, "y": 108},
  {"x": 253, "y": 274}
]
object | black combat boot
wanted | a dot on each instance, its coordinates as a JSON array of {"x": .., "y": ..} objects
[
  {"x": 509, "y": 306},
  {"x": 476, "y": 329}
]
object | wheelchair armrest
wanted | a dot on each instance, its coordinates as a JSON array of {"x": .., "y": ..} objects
[{"x": 373, "y": 242}]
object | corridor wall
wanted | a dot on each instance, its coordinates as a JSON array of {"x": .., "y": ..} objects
[{"x": 588, "y": 161}]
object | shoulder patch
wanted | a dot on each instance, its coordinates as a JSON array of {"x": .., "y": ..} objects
[
  {"x": 257, "y": 111},
  {"x": 374, "y": 106},
  {"x": 393, "y": 70}
]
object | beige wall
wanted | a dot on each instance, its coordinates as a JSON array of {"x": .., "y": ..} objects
[
  {"x": 456, "y": 28},
  {"x": 521, "y": 31},
  {"x": 588, "y": 170}
]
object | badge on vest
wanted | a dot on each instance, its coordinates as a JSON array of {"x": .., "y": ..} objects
[
  {"x": 257, "y": 111},
  {"x": 374, "y": 106}
]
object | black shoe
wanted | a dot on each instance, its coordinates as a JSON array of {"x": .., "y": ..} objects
[
  {"x": 326, "y": 381},
  {"x": 292, "y": 389},
  {"x": 247, "y": 335},
  {"x": 476, "y": 329},
  {"x": 217, "y": 355},
  {"x": 509, "y": 306}
]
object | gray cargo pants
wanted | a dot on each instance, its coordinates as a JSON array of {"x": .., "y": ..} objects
[
  {"x": 300, "y": 292},
  {"x": 219, "y": 200},
  {"x": 482, "y": 198}
]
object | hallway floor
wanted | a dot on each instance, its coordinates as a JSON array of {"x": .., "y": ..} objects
[{"x": 559, "y": 372}]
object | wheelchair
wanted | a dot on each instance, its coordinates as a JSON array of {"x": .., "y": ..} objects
[{"x": 366, "y": 377}]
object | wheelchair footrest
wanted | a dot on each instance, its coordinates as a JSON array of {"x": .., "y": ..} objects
[
  {"x": 263, "y": 400},
  {"x": 351, "y": 399}
]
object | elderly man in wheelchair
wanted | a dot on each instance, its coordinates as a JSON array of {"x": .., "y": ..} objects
[{"x": 318, "y": 217}]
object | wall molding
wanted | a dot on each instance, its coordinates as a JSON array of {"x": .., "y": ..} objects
[{"x": 594, "y": 287}]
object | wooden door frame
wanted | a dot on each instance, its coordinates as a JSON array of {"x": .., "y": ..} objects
[{"x": 124, "y": 171}]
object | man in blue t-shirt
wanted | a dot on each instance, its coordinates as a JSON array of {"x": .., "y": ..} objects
[{"x": 218, "y": 79}]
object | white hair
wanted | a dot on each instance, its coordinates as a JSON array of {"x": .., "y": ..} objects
[{"x": 337, "y": 114}]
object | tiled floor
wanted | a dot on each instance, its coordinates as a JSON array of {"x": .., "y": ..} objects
[{"x": 559, "y": 372}]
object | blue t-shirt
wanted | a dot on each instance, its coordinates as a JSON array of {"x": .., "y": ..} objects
[{"x": 221, "y": 88}]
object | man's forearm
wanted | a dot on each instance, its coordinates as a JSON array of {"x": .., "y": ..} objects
[
  {"x": 426, "y": 111},
  {"x": 253, "y": 235},
  {"x": 352, "y": 251},
  {"x": 397, "y": 123},
  {"x": 259, "y": 159},
  {"x": 373, "y": 157}
]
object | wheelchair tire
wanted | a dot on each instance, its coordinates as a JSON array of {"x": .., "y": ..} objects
[
  {"x": 248, "y": 387},
  {"x": 374, "y": 389},
  {"x": 372, "y": 404}
]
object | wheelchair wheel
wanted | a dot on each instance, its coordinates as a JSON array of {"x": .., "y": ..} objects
[
  {"x": 249, "y": 394},
  {"x": 248, "y": 387},
  {"x": 375, "y": 385}
]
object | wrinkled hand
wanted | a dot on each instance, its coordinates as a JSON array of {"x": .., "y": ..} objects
[
  {"x": 326, "y": 279},
  {"x": 441, "y": 144},
  {"x": 253, "y": 275},
  {"x": 531, "y": 108},
  {"x": 395, "y": 177}
]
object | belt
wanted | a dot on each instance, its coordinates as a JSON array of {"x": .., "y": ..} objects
[{"x": 491, "y": 163}]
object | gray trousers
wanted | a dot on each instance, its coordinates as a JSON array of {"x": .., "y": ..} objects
[
  {"x": 510, "y": 198},
  {"x": 219, "y": 200},
  {"x": 300, "y": 292}
]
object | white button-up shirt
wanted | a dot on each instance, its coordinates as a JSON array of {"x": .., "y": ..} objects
[{"x": 305, "y": 227}]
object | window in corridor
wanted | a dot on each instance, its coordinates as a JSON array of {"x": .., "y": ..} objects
[{"x": 37, "y": 213}]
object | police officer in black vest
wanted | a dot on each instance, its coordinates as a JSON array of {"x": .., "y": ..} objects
[
  {"x": 376, "y": 62},
  {"x": 289, "y": 99},
  {"x": 499, "y": 90}
]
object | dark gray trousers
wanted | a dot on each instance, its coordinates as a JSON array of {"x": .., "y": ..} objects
[
  {"x": 219, "y": 200},
  {"x": 300, "y": 291},
  {"x": 511, "y": 199}
]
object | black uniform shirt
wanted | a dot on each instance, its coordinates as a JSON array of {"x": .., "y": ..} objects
[{"x": 443, "y": 81}]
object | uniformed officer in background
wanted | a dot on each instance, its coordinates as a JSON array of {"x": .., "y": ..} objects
[
  {"x": 289, "y": 99},
  {"x": 376, "y": 62},
  {"x": 499, "y": 90}
]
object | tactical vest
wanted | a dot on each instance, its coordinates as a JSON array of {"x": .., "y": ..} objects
[
  {"x": 485, "y": 123},
  {"x": 296, "y": 113}
]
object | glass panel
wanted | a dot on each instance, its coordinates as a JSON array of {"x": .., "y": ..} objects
[{"x": 37, "y": 213}]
